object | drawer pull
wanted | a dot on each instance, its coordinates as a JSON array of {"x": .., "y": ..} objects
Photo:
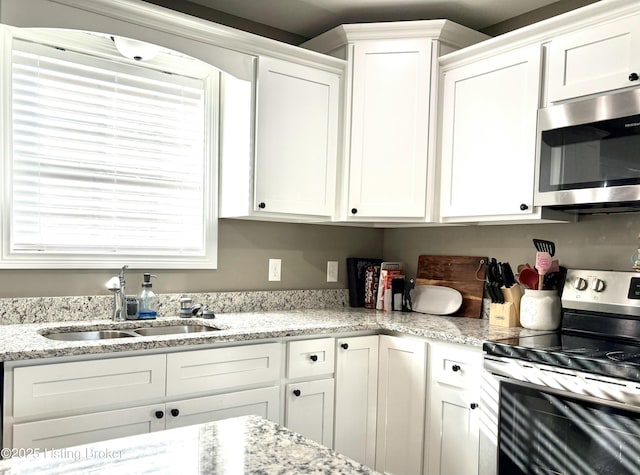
[
  {"x": 473, "y": 405},
  {"x": 345, "y": 346},
  {"x": 159, "y": 414},
  {"x": 297, "y": 393},
  {"x": 455, "y": 368},
  {"x": 175, "y": 412},
  {"x": 313, "y": 358}
]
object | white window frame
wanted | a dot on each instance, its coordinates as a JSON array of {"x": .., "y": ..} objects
[{"x": 47, "y": 260}]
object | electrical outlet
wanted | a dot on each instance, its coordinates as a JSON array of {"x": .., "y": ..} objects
[
  {"x": 274, "y": 269},
  {"x": 332, "y": 271}
]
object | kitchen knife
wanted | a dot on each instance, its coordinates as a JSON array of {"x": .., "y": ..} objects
[{"x": 507, "y": 275}]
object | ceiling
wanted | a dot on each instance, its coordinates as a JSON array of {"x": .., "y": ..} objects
[{"x": 308, "y": 18}]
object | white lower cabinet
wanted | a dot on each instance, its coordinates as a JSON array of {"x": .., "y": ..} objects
[
  {"x": 264, "y": 402},
  {"x": 310, "y": 410},
  {"x": 356, "y": 398},
  {"x": 87, "y": 428},
  {"x": 62, "y": 404},
  {"x": 402, "y": 379},
  {"x": 309, "y": 394},
  {"x": 454, "y": 420},
  {"x": 386, "y": 408}
]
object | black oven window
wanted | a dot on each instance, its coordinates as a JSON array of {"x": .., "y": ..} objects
[{"x": 545, "y": 433}]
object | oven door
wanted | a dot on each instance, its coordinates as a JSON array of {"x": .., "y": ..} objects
[{"x": 539, "y": 430}]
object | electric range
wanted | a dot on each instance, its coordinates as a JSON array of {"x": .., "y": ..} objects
[{"x": 568, "y": 402}]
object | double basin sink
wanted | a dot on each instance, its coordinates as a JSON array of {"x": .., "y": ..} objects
[{"x": 108, "y": 334}]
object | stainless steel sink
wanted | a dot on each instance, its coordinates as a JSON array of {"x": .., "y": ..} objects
[
  {"x": 174, "y": 330},
  {"x": 134, "y": 332},
  {"x": 89, "y": 335}
]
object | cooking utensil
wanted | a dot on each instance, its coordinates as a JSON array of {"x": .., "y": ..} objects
[
  {"x": 555, "y": 280},
  {"x": 543, "y": 264},
  {"x": 545, "y": 246},
  {"x": 529, "y": 277}
]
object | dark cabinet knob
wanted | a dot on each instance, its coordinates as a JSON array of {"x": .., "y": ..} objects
[
  {"x": 313, "y": 357},
  {"x": 159, "y": 414},
  {"x": 345, "y": 346},
  {"x": 455, "y": 368},
  {"x": 296, "y": 392},
  {"x": 175, "y": 412},
  {"x": 354, "y": 210},
  {"x": 262, "y": 205},
  {"x": 473, "y": 405},
  {"x": 523, "y": 207},
  {"x": 633, "y": 77}
]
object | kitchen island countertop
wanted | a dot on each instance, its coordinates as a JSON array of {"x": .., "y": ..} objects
[
  {"x": 242, "y": 445},
  {"x": 26, "y": 341}
]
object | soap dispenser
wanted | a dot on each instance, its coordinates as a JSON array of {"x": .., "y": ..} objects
[{"x": 147, "y": 300}]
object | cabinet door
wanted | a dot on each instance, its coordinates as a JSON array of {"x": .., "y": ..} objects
[
  {"x": 455, "y": 430},
  {"x": 296, "y": 139},
  {"x": 594, "y": 60},
  {"x": 309, "y": 410},
  {"x": 264, "y": 402},
  {"x": 454, "y": 421},
  {"x": 489, "y": 136},
  {"x": 88, "y": 428},
  {"x": 389, "y": 129},
  {"x": 401, "y": 405},
  {"x": 356, "y": 398}
]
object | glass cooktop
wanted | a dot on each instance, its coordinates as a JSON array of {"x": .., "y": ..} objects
[{"x": 590, "y": 354}]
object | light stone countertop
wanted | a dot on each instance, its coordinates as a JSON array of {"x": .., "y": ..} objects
[
  {"x": 243, "y": 445},
  {"x": 26, "y": 341}
]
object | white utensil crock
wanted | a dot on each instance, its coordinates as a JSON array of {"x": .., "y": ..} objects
[{"x": 540, "y": 309}]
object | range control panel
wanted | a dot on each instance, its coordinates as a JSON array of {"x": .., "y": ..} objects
[{"x": 602, "y": 291}]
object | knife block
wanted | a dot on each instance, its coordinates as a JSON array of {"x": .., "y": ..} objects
[{"x": 507, "y": 314}]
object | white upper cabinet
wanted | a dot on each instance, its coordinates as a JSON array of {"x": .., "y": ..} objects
[
  {"x": 390, "y": 109},
  {"x": 489, "y": 136},
  {"x": 594, "y": 60},
  {"x": 291, "y": 173},
  {"x": 296, "y": 139},
  {"x": 389, "y": 146}
]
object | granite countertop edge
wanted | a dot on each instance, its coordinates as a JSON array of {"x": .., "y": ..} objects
[{"x": 27, "y": 341}]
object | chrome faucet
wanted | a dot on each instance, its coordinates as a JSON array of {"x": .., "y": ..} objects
[
  {"x": 123, "y": 294},
  {"x": 117, "y": 285}
]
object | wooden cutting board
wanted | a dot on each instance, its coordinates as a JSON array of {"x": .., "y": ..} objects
[{"x": 463, "y": 273}]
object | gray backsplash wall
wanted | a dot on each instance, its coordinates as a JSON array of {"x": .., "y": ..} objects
[
  {"x": 594, "y": 242},
  {"x": 598, "y": 242},
  {"x": 244, "y": 249}
]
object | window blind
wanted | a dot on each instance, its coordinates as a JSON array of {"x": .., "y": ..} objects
[{"x": 107, "y": 157}]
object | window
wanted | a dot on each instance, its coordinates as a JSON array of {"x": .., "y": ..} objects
[{"x": 109, "y": 161}]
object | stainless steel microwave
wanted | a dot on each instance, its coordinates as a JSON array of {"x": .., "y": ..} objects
[{"x": 588, "y": 154}]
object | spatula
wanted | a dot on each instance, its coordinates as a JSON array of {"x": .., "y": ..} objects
[
  {"x": 543, "y": 264},
  {"x": 545, "y": 246}
]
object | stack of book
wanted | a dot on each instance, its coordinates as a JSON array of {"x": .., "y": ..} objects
[{"x": 370, "y": 282}]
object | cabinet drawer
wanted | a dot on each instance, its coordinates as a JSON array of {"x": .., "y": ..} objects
[
  {"x": 310, "y": 358},
  {"x": 87, "y": 385},
  {"x": 219, "y": 369},
  {"x": 456, "y": 366}
]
